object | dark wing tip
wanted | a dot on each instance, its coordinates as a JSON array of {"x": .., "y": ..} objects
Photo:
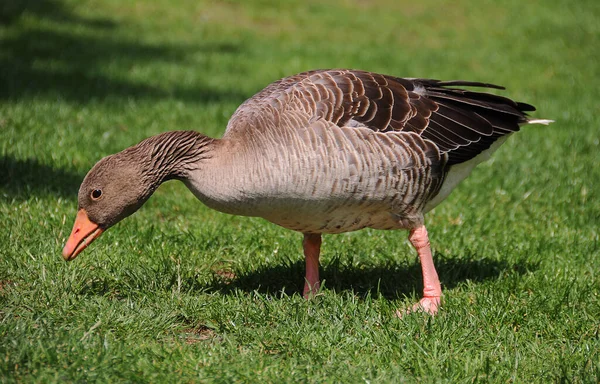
[
  {"x": 525, "y": 107},
  {"x": 522, "y": 107},
  {"x": 463, "y": 83},
  {"x": 454, "y": 128}
]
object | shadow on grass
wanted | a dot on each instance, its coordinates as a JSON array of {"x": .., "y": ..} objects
[
  {"x": 12, "y": 10},
  {"x": 24, "y": 178},
  {"x": 391, "y": 280},
  {"x": 89, "y": 60}
]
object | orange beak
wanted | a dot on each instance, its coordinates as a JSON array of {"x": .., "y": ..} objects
[{"x": 84, "y": 232}]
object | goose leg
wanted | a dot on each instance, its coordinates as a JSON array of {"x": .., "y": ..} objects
[
  {"x": 312, "y": 249},
  {"x": 432, "y": 290}
]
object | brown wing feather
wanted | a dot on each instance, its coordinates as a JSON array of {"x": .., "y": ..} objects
[{"x": 462, "y": 123}]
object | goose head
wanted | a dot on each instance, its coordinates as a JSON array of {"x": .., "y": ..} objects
[{"x": 113, "y": 189}]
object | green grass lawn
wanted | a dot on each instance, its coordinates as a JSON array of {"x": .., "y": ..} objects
[{"x": 180, "y": 293}]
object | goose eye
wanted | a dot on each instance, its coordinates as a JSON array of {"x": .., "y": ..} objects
[{"x": 96, "y": 194}]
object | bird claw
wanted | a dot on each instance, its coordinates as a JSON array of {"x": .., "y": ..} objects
[{"x": 428, "y": 304}]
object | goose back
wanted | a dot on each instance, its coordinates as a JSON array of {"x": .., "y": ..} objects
[{"x": 460, "y": 122}]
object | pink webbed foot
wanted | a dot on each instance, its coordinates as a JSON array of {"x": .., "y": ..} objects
[{"x": 429, "y": 305}]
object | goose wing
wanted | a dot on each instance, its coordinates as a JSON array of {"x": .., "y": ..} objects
[{"x": 460, "y": 122}]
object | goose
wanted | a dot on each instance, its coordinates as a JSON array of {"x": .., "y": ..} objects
[{"x": 320, "y": 152}]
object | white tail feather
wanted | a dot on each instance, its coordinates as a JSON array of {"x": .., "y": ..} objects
[{"x": 540, "y": 121}]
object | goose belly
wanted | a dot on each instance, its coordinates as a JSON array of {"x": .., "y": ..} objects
[{"x": 325, "y": 217}]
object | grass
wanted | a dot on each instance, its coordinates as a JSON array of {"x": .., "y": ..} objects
[{"x": 182, "y": 293}]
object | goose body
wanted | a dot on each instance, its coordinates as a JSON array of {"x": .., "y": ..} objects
[{"x": 325, "y": 151}]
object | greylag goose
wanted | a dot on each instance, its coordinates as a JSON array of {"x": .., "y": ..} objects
[{"x": 325, "y": 151}]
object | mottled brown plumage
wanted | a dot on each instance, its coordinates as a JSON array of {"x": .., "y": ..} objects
[
  {"x": 461, "y": 123},
  {"x": 325, "y": 151}
]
